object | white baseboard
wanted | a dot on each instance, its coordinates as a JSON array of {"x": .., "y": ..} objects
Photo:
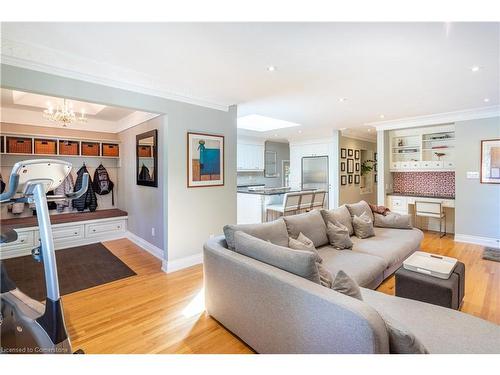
[
  {"x": 178, "y": 264},
  {"x": 483, "y": 241},
  {"x": 149, "y": 247}
]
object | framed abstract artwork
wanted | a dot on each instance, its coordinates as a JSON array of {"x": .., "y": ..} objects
[
  {"x": 356, "y": 154},
  {"x": 350, "y": 165},
  {"x": 350, "y": 152},
  {"x": 343, "y": 153},
  {"x": 342, "y": 166},
  {"x": 350, "y": 178},
  {"x": 205, "y": 160},
  {"x": 490, "y": 161},
  {"x": 343, "y": 180}
]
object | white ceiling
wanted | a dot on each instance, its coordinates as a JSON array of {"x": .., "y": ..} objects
[{"x": 395, "y": 69}]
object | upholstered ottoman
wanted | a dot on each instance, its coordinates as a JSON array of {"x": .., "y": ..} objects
[{"x": 430, "y": 289}]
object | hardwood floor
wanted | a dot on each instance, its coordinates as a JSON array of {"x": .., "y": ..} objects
[{"x": 155, "y": 312}]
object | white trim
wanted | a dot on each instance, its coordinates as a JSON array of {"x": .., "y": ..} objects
[
  {"x": 483, "y": 241},
  {"x": 358, "y": 137},
  {"x": 134, "y": 119},
  {"x": 438, "y": 118},
  {"x": 178, "y": 264},
  {"x": 52, "y": 61},
  {"x": 148, "y": 246}
]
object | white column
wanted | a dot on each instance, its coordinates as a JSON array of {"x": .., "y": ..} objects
[
  {"x": 381, "y": 166},
  {"x": 334, "y": 163}
]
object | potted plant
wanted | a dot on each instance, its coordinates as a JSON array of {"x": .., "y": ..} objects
[{"x": 367, "y": 166}]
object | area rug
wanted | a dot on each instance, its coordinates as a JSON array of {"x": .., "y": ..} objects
[
  {"x": 491, "y": 253},
  {"x": 78, "y": 268}
]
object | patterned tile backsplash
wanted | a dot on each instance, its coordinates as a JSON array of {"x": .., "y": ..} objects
[{"x": 435, "y": 183}]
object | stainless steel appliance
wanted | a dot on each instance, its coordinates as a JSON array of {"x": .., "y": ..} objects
[{"x": 315, "y": 174}]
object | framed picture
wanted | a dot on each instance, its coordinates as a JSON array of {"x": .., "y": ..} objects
[
  {"x": 375, "y": 156},
  {"x": 357, "y": 167},
  {"x": 343, "y": 153},
  {"x": 343, "y": 180},
  {"x": 350, "y": 165},
  {"x": 342, "y": 166},
  {"x": 356, "y": 179},
  {"x": 205, "y": 160},
  {"x": 350, "y": 178},
  {"x": 375, "y": 178},
  {"x": 350, "y": 152},
  {"x": 356, "y": 154},
  {"x": 490, "y": 161},
  {"x": 375, "y": 167}
]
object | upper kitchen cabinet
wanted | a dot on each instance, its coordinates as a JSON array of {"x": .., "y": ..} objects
[
  {"x": 250, "y": 157},
  {"x": 423, "y": 149}
]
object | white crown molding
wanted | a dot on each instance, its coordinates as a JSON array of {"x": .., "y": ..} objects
[
  {"x": 359, "y": 137},
  {"x": 145, "y": 245},
  {"x": 438, "y": 118},
  {"x": 169, "y": 266},
  {"x": 483, "y": 241},
  {"x": 135, "y": 118},
  {"x": 52, "y": 61}
]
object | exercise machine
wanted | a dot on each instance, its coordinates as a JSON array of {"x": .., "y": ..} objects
[{"x": 27, "y": 325}]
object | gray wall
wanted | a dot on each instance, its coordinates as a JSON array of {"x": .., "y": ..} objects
[
  {"x": 144, "y": 204},
  {"x": 283, "y": 153},
  {"x": 351, "y": 193},
  {"x": 192, "y": 214},
  {"x": 477, "y": 206}
]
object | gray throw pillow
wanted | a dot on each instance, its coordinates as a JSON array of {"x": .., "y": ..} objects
[
  {"x": 338, "y": 235},
  {"x": 311, "y": 224},
  {"x": 345, "y": 285},
  {"x": 401, "y": 340},
  {"x": 298, "y": 262},
  {"x": 356, "y": 209},
  {"x": 363, "y": 226},
  {"x": 304, "y": 243},
  {"x": 273, "y": 231},
  {"x": 325, "y": 277},
  {"x": 340, "y": 214},
  {"x": 392, "y": 220}
]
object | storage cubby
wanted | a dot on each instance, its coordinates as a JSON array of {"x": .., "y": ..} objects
[
  {"x": 19, "y": 145},
  {"x": 67, "y": 147},
  {"x": 45, "y": 146},
  {"x": 90, "y": 149},
  {"x": 110, "y": 149}
]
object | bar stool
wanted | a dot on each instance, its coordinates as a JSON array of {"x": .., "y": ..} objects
[
  {"x": 319, "y": 199},
  {"x": 432, "y": 210},
  {"x": 290, "y": 205},
  {"x": 306, "y": 201}
]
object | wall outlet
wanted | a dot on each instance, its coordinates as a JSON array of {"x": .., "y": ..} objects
[
  {"x": 473, "y": 175},
  {"x": 153, "y": 232}
]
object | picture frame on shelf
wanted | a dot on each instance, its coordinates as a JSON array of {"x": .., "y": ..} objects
[
  {"x": 350, "y": 165},
  {"x": 350, "y": 152},
  {"x": 356, "y": 179},
  {"x": 356, "y": 154},
  {"x": 343, "y": 153},
  {"x": 343, "y": 179},
  {"x": 350, "y": 178},
  {"x": 342, "y": 166}
]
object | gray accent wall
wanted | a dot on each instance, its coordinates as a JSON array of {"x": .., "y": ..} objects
[
  {"x": 188, "y": 216},
  {"x": 477, "y": 206}
]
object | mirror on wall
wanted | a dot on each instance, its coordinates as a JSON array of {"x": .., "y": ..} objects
[{"x": 147, "y": 158}]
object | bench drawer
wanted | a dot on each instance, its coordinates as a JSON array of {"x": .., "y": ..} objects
[
  {"x": 24, "y": 239},
  {"x": 109, "y": 227}
]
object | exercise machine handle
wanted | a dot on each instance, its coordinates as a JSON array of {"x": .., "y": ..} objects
[
  {"x": 13, "y": 184},
  {"x": 83, "y": 189}
]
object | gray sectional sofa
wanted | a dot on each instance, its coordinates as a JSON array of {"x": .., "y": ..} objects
[{"x": 275, "y": 311}]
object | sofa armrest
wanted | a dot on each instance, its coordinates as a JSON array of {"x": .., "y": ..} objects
[{"x": 274, "y": 311}]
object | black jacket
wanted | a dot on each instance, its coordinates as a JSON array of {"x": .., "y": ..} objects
[{"x": 87, "y": 200}]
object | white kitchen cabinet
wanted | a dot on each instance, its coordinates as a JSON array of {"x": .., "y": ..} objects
[{"x": 250, "y": 157}]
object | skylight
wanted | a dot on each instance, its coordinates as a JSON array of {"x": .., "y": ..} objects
[{"x": 262, "y": 123}]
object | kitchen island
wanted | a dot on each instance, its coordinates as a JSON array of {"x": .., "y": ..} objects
[{"x": 252, "y": 203}]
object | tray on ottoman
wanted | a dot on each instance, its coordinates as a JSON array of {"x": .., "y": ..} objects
[{"x": 426, "y": 288}]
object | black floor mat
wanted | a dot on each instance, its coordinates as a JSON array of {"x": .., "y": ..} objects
[{"x": 78, "y": 268}]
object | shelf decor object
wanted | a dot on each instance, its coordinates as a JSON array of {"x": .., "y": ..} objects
[
  {"x": 205, "y": 160},
  {"x": 490, "y": 161}
]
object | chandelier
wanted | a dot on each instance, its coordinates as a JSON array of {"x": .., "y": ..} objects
[{"x": 64, "y": 114}]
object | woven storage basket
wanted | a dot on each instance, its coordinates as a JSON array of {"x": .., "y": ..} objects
[
  {"x": 17, "y": 145},
  {"x": 69, "y": 147},
  {"x": 110, "y": 149},
  {"x": 90, "y": 149},
  {"x": 45, "y": 146}
]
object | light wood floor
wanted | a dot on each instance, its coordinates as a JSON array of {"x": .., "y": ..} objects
[{"x": 155, "y": 312}]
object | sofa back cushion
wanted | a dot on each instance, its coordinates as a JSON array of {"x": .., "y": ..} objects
[
  {"x": 311, "y": 224},
  {"x": 273, "y": 231},
  {"x": 340, "y": 214},
  {"x": 298, "y": 262},
  {"x": 357, "y": 209}
]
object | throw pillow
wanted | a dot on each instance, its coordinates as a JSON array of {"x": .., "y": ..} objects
[
  {"x": 311, "y": 224},
  {"x": 340, "y": 214},
  {"x": 298, "y": 262},
  {"x": 338, "y": 235},
  {"x": 363, "y": 226},
  {"x": 356, "y": 209},
  {"x": 304, "y": 243},
  {"x": 383, "y": 210},
  {"x": 325, "y": 277},
  {"x": 345, "y": 285},
  {"x": 392, "y": 220},
  {"x": 401, "y": 340},
  {"x": 273, "y": 231}
]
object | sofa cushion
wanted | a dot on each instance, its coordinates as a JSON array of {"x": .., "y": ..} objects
[
  {"x": 311, "y": 224},
  {"x": 365, "y": 269},
  {"x": 363, "y": 226},
  {"x": 392, "y": 220},
  {"x": 345, "y": 285},
  {"x": 304, "y": 243},
  {"x": 274, "y": 231},
  {"x": 360, "y": 207},
  {"x": 391, "y": 245},
  {"x": 325, "y": 276},
  {"x": 341, "y": 214},
  {"x": 439, "y": 329},
  {"x": 298, "y": 262},
  {"x": 338, "y": 235}
]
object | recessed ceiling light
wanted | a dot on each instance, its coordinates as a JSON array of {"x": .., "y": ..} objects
[
  {"x": 300, "y": 131},
  {"x": 475, "y": 68},
  {"x": 276, "y": 135},
  {"x": 382, "y": 116},
  {"x": 486, "y": 100},
  {"x": 369, "y": 129},
  {"x": 342, "y": 99},
  {"x": 262, "y": 123},
  {"x": 271, "y": 68},
  {"x": 342, "y": 128}
]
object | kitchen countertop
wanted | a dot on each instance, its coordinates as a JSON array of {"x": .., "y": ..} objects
[
  {"x": 420, "y": 195},
  {"x": 268, "y": 192},
  {"x": 249, "y": 185}
]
